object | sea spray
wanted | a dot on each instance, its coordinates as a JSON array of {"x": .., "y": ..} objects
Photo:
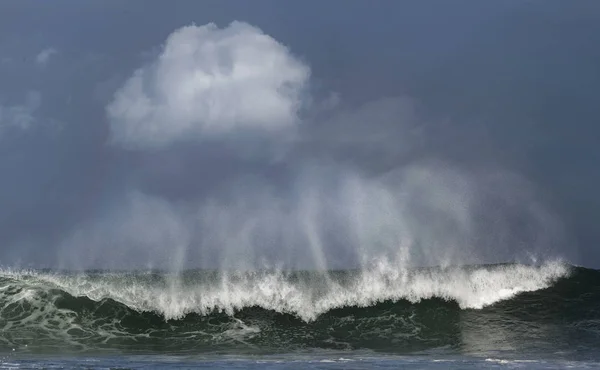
[{"x": 325, "y": 217}]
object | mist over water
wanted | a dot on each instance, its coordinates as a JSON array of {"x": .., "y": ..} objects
[{"x": 327, "y": 217}]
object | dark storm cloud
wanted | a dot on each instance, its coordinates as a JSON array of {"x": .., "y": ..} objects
[{"x": 507, "y": 86}]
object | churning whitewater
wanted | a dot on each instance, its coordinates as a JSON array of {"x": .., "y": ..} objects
[{"x": 305, "y": 295}]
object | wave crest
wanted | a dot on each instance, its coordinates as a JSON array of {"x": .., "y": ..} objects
[{"x": 303, "y": 294}]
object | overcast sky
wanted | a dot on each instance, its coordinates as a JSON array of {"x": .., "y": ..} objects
[{"x": 305, "y": 133}]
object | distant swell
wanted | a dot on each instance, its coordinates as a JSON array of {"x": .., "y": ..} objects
[{"x": 384, "y": 308}]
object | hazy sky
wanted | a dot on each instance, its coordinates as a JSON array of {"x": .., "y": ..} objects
[{"x": 144, "y": 133}]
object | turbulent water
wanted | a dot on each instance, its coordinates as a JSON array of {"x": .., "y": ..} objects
[{"x": 488, "y": 309}]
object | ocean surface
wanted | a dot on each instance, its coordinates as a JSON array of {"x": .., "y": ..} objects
[{"x": 486, "y": 316}]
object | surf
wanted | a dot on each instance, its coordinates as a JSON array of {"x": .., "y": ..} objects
[
  {"x": 303, "y": 294},
  {"x": 381, "y": 309}
]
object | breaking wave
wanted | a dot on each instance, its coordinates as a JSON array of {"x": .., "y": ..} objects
[{"x": 381, "y": 308}]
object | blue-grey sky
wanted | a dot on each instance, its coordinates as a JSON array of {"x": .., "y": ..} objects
[{"x": 144, "y": 133}]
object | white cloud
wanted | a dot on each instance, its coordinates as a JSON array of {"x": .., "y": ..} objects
[
  {"x": 20, "y": 116},
  {"x": 209, "y": 82},
  {"x": 44, "y": 56}
]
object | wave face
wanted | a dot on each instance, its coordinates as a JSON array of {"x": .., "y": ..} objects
[{"x": 470, "y": 309}]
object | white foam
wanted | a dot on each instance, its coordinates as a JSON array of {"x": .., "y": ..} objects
[{"x": 471, "y": 288}]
